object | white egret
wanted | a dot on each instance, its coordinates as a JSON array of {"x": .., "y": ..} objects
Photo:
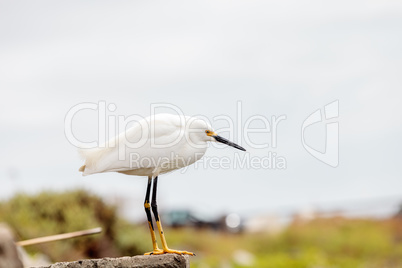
[{"x": 153, "y": 146}]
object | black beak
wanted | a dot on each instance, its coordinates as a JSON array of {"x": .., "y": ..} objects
[{"x": 225, "y": 141}]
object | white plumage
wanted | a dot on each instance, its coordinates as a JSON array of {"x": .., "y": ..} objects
[{"x": 155, "y": 145}]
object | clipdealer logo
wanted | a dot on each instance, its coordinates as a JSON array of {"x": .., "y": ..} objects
[{"x": 237, "y": 128}]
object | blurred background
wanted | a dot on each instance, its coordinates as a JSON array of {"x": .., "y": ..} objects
[{"x": 270, "y": 58}]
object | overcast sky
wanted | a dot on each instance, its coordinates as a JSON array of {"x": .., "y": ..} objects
[{"x": 207, "y": 58}]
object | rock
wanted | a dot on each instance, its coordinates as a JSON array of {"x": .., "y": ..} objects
[
  {"x": 152, "y": 261},
  {"x": 8, "y": 250}
]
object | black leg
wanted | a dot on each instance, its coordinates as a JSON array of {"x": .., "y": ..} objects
[
  {"x": 149, "y": 217},
  {"x": 159, "y": 224},
  {"x": 154, "y": 205},
  {"x": 146, "y": 203}
]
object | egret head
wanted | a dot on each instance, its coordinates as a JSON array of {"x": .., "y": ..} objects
[{"x": 203, "y": 132}]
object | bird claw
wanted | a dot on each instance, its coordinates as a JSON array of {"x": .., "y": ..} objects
[
  {"x": 167, "y": 251},
  {"x": 155, "y": 252},
  {"x": 181, "y": 252}
]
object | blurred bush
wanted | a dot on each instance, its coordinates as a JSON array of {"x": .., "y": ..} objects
[{"x": 52, "y": 213}]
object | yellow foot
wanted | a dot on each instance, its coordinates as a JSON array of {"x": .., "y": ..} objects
[
  {"x": 156, "y": 252},
  {"x": 165, "y": 251}
]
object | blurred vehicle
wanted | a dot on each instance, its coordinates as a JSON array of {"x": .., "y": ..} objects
[{"x": 186, "y": 218}]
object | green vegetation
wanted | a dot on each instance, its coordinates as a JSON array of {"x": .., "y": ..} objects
[
  {"x": 52, "y": 213},
  {"x": 335, "y": 242}
]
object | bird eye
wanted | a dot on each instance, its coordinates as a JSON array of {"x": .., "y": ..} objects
[{"x": 207, "y": 131}]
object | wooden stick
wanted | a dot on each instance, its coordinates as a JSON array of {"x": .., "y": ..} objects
[{"x": 58, "y": 237}]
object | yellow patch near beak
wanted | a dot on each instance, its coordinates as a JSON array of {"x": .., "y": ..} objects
[{"x": 210, "y": 133}]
